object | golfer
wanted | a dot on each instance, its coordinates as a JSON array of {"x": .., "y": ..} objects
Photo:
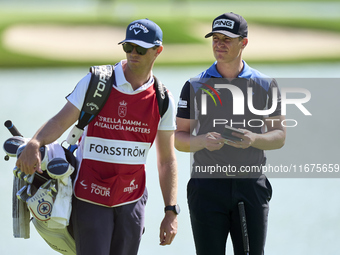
[{"x": 209, "y": 102}]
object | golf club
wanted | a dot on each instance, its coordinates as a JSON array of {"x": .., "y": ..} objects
[{"x": 243, "y": 221}]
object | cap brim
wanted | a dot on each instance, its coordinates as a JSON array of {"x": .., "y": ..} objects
[
  {"x": 140, "y": 43},
  {"x": 229, "y": 34}
]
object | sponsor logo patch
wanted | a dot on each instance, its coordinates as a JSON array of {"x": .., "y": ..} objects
[
  {"x": 132, "y": 187},
  {"x": 182, "y": 103},
  {"x": 139, "y": 26},
  {"x": 100, "y": 190},
  {"x": 122, "y": 109},
  {"x": 41, "y": 205},
  {"x": 44, "y": 208},
  {"x": 224, "y": 23}
]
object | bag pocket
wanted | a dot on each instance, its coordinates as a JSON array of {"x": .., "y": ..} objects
[
  {"x": 59, "y": 240},
  {"x": 119, "y": 189}
]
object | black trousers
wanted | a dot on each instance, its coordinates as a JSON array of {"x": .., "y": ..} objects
[
  {"x": 100, "y": 230},
  {"x": 213, "y": 206}
]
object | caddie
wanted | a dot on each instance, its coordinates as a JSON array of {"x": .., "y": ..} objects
[{"x": 109, "y": 190}]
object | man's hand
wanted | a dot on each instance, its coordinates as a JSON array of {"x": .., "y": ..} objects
[
  {"x": 29, "y": 160},
  {"x": 213, "y": 141},
  {"x": 248, "y": 139},
  {"x": 168, "y": 229}
]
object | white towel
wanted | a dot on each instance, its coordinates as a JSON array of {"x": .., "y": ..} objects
[
  {"x": 62, "y": 206},
  {"x": 20, "y": 213}
]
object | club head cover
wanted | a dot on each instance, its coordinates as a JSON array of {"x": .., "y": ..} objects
[
  {"x": 59, "y": 168},
  {"x": 12, "y": 144},
  {"x": 20, "y": 149}
]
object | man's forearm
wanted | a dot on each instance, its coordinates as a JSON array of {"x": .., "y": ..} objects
[
  {"x": 269, "y": 141},
  {"x": 188, "y": 143},
  {"x": 168, "y": 181},
  {"x": 29, "y": 160},
  {"x": 57, "y": 125},
  {"x": 274, "y": 138},
  {"x": 48, "y": 133}
]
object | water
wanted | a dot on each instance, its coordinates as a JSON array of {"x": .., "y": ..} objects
[{"x": 304, "y": 212}]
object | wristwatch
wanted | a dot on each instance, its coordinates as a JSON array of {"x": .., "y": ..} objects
[{"x": 174, "y": 208}]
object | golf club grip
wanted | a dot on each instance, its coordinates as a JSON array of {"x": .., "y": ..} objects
[
  {"x": 244, "y": 229},
  {"x": 14, "y": 131}
]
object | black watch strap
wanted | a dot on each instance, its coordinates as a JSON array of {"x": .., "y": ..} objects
[{"x": 175, "y": 208}]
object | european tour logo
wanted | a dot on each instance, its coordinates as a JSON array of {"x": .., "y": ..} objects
[{"x": 239, "y": 102}]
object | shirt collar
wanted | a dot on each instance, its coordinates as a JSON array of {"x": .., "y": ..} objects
[
  {"x": 212, "y": 71},
  {"x": 119, "y": 73},
  {"x": 245, "y": 73},
  {"x": 123, "y": 85}
]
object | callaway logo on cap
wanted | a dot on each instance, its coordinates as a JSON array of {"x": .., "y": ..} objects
[
  {"x": 144, "y": 33},
  {"x": 229, "y": 24}
]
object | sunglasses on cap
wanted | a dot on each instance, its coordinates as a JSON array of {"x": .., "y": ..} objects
[{"x": 128, "y": 48}]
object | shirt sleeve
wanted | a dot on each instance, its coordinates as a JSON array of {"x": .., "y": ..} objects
[
  {"x": 168, "y": 121},
  {"x": 185, "y": 107},
  {"x": 277, "y": 111},
  {"x": 77, "y": 96}
]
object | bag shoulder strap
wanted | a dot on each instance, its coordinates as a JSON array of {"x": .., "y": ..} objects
[
  {"x": 97, "y": 93},
  {"x": 162, "y": 96}
]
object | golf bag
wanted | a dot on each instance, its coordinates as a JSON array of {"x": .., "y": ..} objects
[{"x": 47, "y": 196}]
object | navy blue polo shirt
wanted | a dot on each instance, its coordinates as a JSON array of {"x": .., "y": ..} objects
[{"x": 219, "y": 110}]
